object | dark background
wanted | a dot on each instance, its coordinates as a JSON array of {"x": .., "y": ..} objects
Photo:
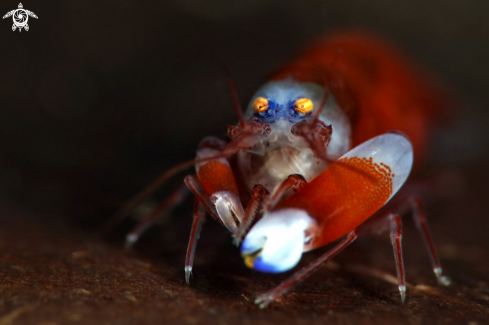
[{"x": 99, "y": 97}]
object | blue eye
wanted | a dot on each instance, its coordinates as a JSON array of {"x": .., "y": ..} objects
[
  {"x": 271, "y": 114},
  {"x": 293, "y": 114}
]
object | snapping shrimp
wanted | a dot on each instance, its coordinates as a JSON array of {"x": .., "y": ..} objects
[{"x": 317, "y": 155}]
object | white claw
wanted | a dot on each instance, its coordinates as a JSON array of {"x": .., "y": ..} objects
[
  {"x": 391, "y": 149},
  {"x": 228, "y": 204},
  {"x": 280, "y": 237}
]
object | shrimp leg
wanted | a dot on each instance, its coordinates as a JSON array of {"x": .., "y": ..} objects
[
  {"x": 419, "y": 218},
  {"x": 381, "y": 220},
  {"x": 412, "y": 203},
  {"x": 266, "y": 298},
  {"x": 167, "y": 205},
  {"x": 396, "y": 238},
  {"x": 199, "y": 218},
  {"x": 260, "y": 195}
]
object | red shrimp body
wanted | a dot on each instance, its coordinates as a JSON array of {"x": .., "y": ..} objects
[
  {"x": 340, "y": 198},
  {"x": 378, "y": 91},
  {"x": 376, "y": 86},
  {"x": 315, "y": 152}
]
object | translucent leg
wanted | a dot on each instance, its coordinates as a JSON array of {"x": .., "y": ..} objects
[
  {"x": 199, "y": 218},
  {"x": 396, "y": 240},
  {"x": 420, "y": 221},
  {"x": 193, "y": 184},
  {"x": 378, "y": 224},
  {"x": 202, "y": 204},
  {"x": 173, "y": 200},
  {"x": 258, "y": 195},
  {"x": 265, "y": 299},
  {"x": 294, "y": 182},
  {"x": 229, "y": 208}
]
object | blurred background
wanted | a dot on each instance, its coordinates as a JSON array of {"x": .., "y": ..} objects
[{"x": 100, "y": 97}]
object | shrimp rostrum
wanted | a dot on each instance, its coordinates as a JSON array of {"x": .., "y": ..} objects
[{"x": 322, "y": 146}]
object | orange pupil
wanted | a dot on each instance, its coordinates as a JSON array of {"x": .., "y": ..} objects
[
  {"x": 303, "y": 105},
  {"x": 260, "y": 104}
]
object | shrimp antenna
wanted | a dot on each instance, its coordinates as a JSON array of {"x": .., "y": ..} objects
[
  {"x": 237, "y": 107},
  {"x": 233, "y": 90},
  {"x": 315, "y": 117},
  {"x": 232, "y": 85},
  {"x": 316, "y": 114}
]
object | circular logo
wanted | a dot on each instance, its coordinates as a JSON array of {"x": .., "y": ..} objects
[{"x": 20, "y": 17}]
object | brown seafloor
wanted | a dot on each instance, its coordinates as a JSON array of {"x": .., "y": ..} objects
[{"x": 53, "y": 274}]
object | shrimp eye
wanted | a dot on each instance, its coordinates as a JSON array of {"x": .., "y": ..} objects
[
  {"x": 303, "y": 105},
  {"x": 260, "y": 105}
]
